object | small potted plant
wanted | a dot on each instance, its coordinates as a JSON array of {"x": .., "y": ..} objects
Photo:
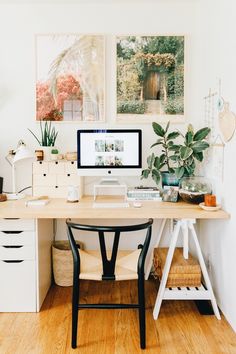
[
  {"x": 47, "y": 138},
  {"x": 54, "y": 154},
  {"x": 176, "y": 159}
]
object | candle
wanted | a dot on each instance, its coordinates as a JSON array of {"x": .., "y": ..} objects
[{"x": 210, "y": 200}]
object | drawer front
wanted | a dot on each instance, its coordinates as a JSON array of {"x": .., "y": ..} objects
[
  {"x": 44, "y": 179},
  {"x": 40, "y": 167},
  {"x": 52, "y": 192},
  {"x": 68, "y": 179},
  {"x": 17, "y": 224},
  {"x": 18, "y": 286},
  {"x": 17, "y": 238},
  {"x": 56, "y": 167},
  {"x": 71, "y": 167},
  {"x": 17, "y": 253}
]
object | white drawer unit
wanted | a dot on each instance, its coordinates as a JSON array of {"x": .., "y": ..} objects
[
  {"x": 24, "y": 244},
  {"x": 52, "y": 178},
  {"x": 18, "y": 286}
]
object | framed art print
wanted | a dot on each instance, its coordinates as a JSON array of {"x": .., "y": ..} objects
[
  {"x": 70, "y": 77},
  {"x": 150, "y": 78}
]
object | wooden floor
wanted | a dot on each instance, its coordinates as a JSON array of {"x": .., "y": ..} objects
[{"x": 179, "y": 328}]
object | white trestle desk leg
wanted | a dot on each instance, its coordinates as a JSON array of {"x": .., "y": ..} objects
[
  {"x": 204, "y": 270},
  {"x": 169, "y": 257},
  {"x": 150, "y": 258},
  {"x": 184, "y": 228}
]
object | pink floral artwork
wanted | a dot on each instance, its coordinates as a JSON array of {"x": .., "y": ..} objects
[{"x": 70, "y": 78}]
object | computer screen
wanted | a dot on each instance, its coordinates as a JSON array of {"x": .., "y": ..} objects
[{"x": 109, "y": 152}]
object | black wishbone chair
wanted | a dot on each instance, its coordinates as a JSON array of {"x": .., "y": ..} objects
[{"x": 118, "y": 267}]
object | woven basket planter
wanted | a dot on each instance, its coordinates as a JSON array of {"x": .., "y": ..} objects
[
  {"x": 183, "y": 272},
  {"x": 62, "y": 262}
]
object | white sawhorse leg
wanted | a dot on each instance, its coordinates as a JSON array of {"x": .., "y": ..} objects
[
  {"x": 150, "y": 260},
  {"x": 184, "y": 293}
]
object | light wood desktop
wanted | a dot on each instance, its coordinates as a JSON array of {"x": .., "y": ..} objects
[
  {"x": 61, "y": 209},
  {"x": 15, "y": 215}
]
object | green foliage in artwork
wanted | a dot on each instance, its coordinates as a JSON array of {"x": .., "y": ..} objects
[
  {"x": 135, "y": 107},
  {"x": 174, "y": 105}
]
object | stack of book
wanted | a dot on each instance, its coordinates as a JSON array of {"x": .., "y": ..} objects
[{"x": 143, "y": 193}]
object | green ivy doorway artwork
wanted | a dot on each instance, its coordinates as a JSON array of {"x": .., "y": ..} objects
[
  {"x": 70, "y": 77},
  {"x": 150, "y": 78}
]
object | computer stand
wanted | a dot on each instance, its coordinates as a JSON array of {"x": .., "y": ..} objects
[{"x": 109, "y": 183}]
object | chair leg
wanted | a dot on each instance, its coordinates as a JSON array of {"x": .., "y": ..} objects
[
  {"x": 75, "y": 312},
  {"x": 141, "y": 300}
]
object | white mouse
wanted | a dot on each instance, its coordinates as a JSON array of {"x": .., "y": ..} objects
[{"x": 137, "y": 204}]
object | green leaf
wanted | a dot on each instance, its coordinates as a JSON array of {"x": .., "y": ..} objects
[
  {"x": 157, "y": 162},
  {"x": 158, "y": 129},
  {"x": 189, "y": 137},
  {"x": 189, "y": 170},
  {"x": 179, "y": 172},
  {"x": 167, "y": 127},
  {"x": 198, "y": 155},
  {"x": 185, "y": 152},
  {"x": 150, "y": 160},
  {"x": 201, "y": 134},
  {"x": 172, "y": 135},
  {"x": 156, "y": 176},
  {"x": 199, "y": 146},
  {"x": 173, "y": 158},
  {"x": 162, "y": 158},
  {"x": 174, "y": 148},
  {"x": 145, "y": 173},
  {"x": 158, "y": 142}
]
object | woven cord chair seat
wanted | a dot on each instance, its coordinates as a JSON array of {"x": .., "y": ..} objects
[{"x": 126, "y": 265}]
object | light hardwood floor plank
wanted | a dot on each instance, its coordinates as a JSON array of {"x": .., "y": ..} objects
[{"x": 180, "y": 329}]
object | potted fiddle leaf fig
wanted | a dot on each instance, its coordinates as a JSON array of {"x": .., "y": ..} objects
[{"x": 176, "y": 159}]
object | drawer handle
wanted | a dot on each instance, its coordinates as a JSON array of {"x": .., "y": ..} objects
[
  {"x": 11, "y": 218},
  {"x": 12, "y": 232},
  {"x": 68, "y": 174},
  {"x": 15, "y": 261},
  {"x": 44, "y": 175},
  {"x": 12, "y": 246}
]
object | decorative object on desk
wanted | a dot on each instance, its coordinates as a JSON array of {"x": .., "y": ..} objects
[
  {"x": 15, "y": 156},
  {"x": 71, "y": 156},
  {"x": 169, "y": 179},
  {"x": 210, "y": 208},
  {"x": 183, "y": 272},
  {"x": 54, "y": 154},
  {"x": 71, "y": 80},
  {"x": 150, "y": 78},
  {"x": 210, "y": 200},
  {"x": 170, "y": 194},
  {"x": 193, "y": 189},
  {"x": 39, "y": 201},
  {"x": 73, "y": 195},
  {"x": 47, "y": 138},
  {"x": 39, "y": 155},
  {"x": 179, "y": 158},
  {"x": 63, "y": 262},
  {"x": 3, "y": 197},
  {"x": 1, "y": 184}
]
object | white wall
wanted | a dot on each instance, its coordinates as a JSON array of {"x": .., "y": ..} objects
[{"x": 216, "y": 36}]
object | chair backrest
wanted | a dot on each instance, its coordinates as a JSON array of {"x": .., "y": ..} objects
[{"x": 109, "y": 264}]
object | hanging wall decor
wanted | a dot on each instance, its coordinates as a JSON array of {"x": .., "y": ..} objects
[
  {"x": 227, "y": 122},
  {"x": 70, "y": 77},
  {"x": 150, "y": 78}
]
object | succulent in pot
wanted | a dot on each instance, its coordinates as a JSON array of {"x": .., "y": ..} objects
[{"x": 177, "y": 158}]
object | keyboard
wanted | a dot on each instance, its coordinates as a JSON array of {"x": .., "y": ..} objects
[{"x": 110, "y": 205}]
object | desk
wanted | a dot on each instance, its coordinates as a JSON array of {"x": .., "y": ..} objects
[{"x": 186, "y": 214}]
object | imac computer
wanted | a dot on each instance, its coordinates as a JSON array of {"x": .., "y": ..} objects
[{"x": 109, "y": 152}]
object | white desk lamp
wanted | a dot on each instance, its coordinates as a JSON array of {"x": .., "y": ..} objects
[{"x": 21, "y": 153}]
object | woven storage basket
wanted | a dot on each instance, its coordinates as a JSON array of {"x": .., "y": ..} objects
[
  {"x": 183, "y": 272},
  {"x": 62, "y": 262}
]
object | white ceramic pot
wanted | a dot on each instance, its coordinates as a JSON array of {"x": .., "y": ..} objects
[{"x": 47, "y": 152}]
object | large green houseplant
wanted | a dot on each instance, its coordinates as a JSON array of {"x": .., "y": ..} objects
[{"x": 178, "y": 158}]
